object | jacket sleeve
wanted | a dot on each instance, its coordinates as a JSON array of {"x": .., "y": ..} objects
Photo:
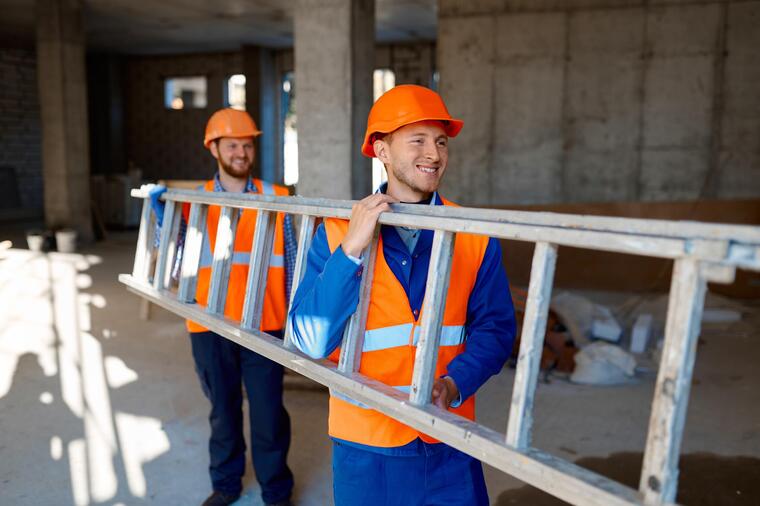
[
  {"x": 490, "y": 326},
  {"x": 325, "y": 299}
]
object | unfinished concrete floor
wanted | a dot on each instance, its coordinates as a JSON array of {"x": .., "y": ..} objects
[{"x": 100, "y": 407}]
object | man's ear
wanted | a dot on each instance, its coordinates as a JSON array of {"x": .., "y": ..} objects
[
  {"x": 214, "y": 148},
  {"x": 381, "y": 151}
]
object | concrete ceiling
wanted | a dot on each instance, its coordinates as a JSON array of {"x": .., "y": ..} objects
[{"x": 180, "y": 26}]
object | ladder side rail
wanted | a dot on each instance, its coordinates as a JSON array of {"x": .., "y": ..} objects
[
  {"x": 433, "y": 306},
  {"x": 353, "y": 335},
  {"x": 305, "y": 237},
  {"x": 556, "y": 476},
  {"x": 531, "y": 345},
  {"x": 674, "y": 229},
  {"x": 223, "y": 252},
  {"x": 733, "y": 244},
  {"x": 191, "y": 253},
  {"x": 258, "y": 269},
  {"x": 145, "y": 244},
  {"x": 659, "y": 475},
  {"x": 169, "y": 227}
]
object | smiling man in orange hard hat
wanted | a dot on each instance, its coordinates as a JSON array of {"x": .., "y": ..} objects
[
  {"x": 224, "y": 366},
  {"x": 376, "y": 459}
]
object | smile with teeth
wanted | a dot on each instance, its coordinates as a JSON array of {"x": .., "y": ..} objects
[{"x": 427, "y": 169}]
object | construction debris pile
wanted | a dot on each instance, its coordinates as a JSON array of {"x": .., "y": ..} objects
[{"x": 591, "y": 343}]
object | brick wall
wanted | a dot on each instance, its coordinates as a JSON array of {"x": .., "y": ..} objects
[
  {"x": 20, "y": 135},
  {"x": 166, "y": 143}
]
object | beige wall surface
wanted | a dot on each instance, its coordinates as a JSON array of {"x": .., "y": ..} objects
[{"x": 601, "y": 100}]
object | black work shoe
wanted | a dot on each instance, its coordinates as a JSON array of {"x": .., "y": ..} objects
[
  {"x": 286, "y": 502},
  {"x": 220, "y": 499}
]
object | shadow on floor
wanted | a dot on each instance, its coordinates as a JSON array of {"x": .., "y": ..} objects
[{"x": 706, "y": 480}]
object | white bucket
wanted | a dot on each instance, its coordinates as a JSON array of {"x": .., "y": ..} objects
[
  {"x": 66, "y": 240},
  {"x": 35, "y": 241}
]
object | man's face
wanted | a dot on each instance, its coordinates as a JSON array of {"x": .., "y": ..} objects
[
  {"x": 235, "y": 155},
  {"x": 416, "y": 156}
]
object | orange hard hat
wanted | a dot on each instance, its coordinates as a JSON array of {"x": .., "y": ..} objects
[
  {"x": 230, "y": 123},
  {"x": 403, "y": 105}
]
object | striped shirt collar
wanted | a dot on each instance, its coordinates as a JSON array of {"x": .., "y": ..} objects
[{"x": 249, "y": 186}]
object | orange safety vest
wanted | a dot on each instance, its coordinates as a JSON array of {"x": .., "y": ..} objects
[
  {"x": 275, "y": 305},
  {"x": 390, "y": 341}
]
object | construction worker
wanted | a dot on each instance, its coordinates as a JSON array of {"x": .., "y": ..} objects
[
  {"x": 377, "y": 460},
  {"x": 222, "y": 364}
]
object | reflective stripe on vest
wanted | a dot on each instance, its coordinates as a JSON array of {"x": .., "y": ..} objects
[
  {"x": 238, "y": 257},
  {"x": 391, "y": 337},
  {"x": 398, "y": 335},
  {"x": 273, "y": 317}
]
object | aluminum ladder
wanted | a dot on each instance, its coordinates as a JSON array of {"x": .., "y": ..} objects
[{"x": 701, "y": 252}]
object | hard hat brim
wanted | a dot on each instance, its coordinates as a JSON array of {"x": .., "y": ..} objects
[
  {"x": 451, "y": 126},
  {"x": 209, "y": 140}
]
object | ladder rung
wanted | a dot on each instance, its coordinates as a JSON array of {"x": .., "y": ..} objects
[
  {"x": 145, "y": 243},
  {"x": 353, "y": 336},
  {"x": 305, "y": 236},
  {"x": 436, "y": 288},
  {"x": 191, "y": 254},
  {"x": 659, "y": 474},
  {"x": 258, "y": 269},
  {"x": 167, "y": 246},
  {"x": 531, "y": 344},
  {"x": 220, "y": 267}
]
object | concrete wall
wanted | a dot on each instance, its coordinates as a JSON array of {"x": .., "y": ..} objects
[
  {"x": 166, "y": 143},
  {"x": 20, "y": 134},
  {"x": 601, "y": 100}
]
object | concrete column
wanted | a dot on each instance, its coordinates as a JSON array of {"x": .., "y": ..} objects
[
  {"x": 261, "y": 88},
  {"x": 63, "y": 113},
  {"x": 334, "y": 53}
]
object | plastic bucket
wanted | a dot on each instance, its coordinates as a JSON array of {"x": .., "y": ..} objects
[
  {"x": 66, "y": 240},
  {"x": 35, "y": 240}
]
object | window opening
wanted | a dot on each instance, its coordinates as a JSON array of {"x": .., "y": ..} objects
[
  {"x": 383, "y": 80},
  {"x": 234, "y": 92},
  {"x": 185, "y": 92}
]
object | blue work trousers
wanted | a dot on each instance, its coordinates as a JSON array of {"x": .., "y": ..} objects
[
  {"x": 222, "y": 367},
  {"x": 438, "y": 475}
]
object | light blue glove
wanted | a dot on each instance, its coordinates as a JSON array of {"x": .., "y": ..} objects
[{"x": 156, "y": 203}]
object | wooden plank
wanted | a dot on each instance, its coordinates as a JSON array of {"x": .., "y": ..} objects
[
  {"x": 220, "y": 266},
  {"x": 167, "y": 246},
  {"x": 258, "y": 269},
  {"x": 436, "y": 288},
  {"x": 141, "y": 268},
  {"x": 191, "y": 254},
  {"x": 305, "y": 236},
  {"x": 558, "y": 477},
  {"x": 659, "y": 476},
  {"x": 353, "y": 335},
  {"x": 531, "y": 345}
]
